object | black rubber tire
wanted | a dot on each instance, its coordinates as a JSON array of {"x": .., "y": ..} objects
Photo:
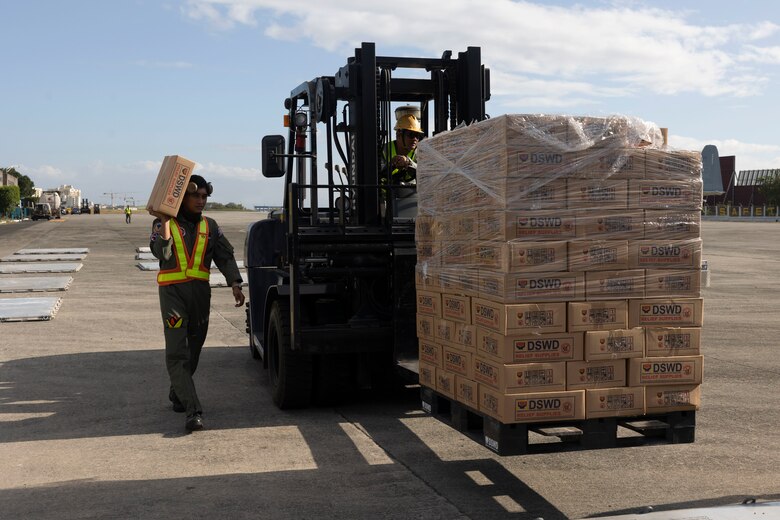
[{"x": 290, "y": 372}]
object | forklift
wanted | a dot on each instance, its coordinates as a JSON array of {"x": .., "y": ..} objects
[{"x": 331, "y": 275}]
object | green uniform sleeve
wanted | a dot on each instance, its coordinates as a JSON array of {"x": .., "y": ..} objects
[{"x": 161, "y": 249}]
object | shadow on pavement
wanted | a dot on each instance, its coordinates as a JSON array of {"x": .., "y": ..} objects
[{"x": 124, "y": 393}]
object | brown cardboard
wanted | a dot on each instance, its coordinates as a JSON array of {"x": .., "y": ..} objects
[
  {"x": 527, "y": 225},
  {"x": 539, "y": 161},
  {"x": 673, "y": 283},
  {"x": 614, "y": 344},
  {"x": 675, "y": 370},
  {"x": 524, "y": 377},
  {"x": 426, "y": 277},
  {"x": 678, "y": 312},
  {"x": 614, "y": 402},
  {"x": 665, "y": 254},
  {"x": 597, "y": 194},
  {"x": 676, "y": 165},
  {"x": 491, "y": 254},
  {"x": 531, "y": 287},
  {"x": 171, "y": 185},
  {"x": 456, "y": 307},
  {"x": 538, "y": 257},
  {"x": 672, "y": 341},
  {"x": 428, "y": 253},
  {"x": 596, "y": 374},
  {"x": 427, "y": 374},
  {"x": 429, "y": 302},
  {"x": 681, "y": 224},
  {"x": 466, "y": 391},
  {"x": 445, "y": 383},
  {"x": 426, "y": 228},
  {"x": 611, "y": 285},
  {"x": 426, "y": 328},
  {"x": 466, "y": 336},
  {"x": 458, "y": 280},
  {"x": 522, "y": 193},
  {"x": 430, "y": 352},
  {"x": 455, "y": 253},
  {"x": 597, "y": 224},
  {"x": 597, "y": 315},
  {"x": 458, "y": 226},
  {"x": 662, "y": 399},
  {"x": 598, "y": 255},
  {"x": 443, "y": 330},
  {"x": 665, "y": 194},
  {"x": 536, "y": 407},
  {"x": 457, "y": 361},
  {"x": 612, "y": 163},
  {"x": 524, "y": 348},
  {"x": 529, "y": 317}
]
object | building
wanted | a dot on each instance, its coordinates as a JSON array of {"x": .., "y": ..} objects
[
  {"x": 740, "y": 187},
  {"x": 10, "y": 178}
]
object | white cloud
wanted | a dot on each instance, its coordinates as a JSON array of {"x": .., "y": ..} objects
[
  {"x": 213, "y": 170},
  {"x": 632, "y": 48}
]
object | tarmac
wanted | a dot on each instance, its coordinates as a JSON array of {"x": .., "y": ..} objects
[{"x": 86, "y": 429}]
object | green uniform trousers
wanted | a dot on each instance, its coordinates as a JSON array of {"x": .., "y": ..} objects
[{"x": 185, "y": 312}]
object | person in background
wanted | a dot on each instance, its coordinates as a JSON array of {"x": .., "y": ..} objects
[
  {"x": 402, "y": 151},
  {"x": 185, "y": 246},
  {"x": 128, "y": 214}
]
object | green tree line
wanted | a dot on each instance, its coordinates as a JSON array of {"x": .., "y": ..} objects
[{"x": 10, "y": 196}]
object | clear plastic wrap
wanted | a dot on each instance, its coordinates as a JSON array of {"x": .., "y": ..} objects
[{"x": 557, "y": 232}]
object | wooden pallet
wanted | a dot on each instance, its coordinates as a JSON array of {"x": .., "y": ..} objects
[{"x": 588, "y": 434}]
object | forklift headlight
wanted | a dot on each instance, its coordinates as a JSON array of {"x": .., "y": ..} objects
[{"x": 301, "y": 119}]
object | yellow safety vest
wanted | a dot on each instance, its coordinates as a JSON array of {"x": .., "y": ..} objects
[
  {"x": 193, "y": 264},
  {"x": 411, "y": 155}
]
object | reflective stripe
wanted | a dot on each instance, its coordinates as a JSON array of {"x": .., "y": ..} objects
[
  {"x": 193, "y": 264},
  {"x": 411, "y": 155}
]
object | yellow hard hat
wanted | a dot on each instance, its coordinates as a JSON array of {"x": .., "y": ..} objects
[{"x": 408, "y": 122}]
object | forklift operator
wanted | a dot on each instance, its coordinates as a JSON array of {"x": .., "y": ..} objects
[
  {"x": 403, "y": 151},
  {"x": 186, "y": 245}
]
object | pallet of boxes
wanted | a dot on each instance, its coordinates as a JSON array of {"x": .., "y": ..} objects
[{"x": 558, "y": 281}]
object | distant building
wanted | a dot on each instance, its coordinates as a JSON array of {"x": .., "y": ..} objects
[
  {"x": 10, "y": 179},
  {"x": 740, "y": 187}
]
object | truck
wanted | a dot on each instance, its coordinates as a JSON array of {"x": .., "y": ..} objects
[
  {"x": 48, "y": 206},
  {"x": 331, "y": 277}
]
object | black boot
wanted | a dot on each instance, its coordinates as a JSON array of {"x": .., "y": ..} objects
[{"x": 194, "y": 422}]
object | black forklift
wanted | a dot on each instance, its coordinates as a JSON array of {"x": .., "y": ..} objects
[{"x": 331, "y": 276}]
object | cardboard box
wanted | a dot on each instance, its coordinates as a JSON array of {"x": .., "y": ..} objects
[
  {"x": 426, "y": 277},
  {"x": 428, "y": 253},
  {"x": 519, "y": 317},
  {"x": 538, "y": 257},
  {"x": 458, "y": 226},
  {"x": 522, "y": 193},
  {"x": 595, "y": 374},
  {"x": 467, "y": 392},
  {"x": 445, "y": 383},
  {"x": 675, "y": 165},
  {"x": 665, "y": 254},
  {"x": 457, "y": 361},
  {"x": 611, "y": 224},
  {"x": 672, "y": 341},
  {"x": 540, "y": 161},
  {"x": 662, "y": 399},
  {"x": 614, "y": 344},
  {"x": 680, "y": 224},
  {"x": 466, "y": 336},
  {"x": 430, "y": 352},
  {"x": 612, "y": 163},
  {"x": 525, "y": 377},
  {"x": 597, "y": 315},
  {"x": 443, "y": 330},
  {"x": 426, "y": 327},
  {"x": 533, "y": 287},
  {"x": 673, "y": 283},
  {"x": 527, "y": 225},
  {"x": 456, "y": 308},
  {"x": 661, "y": 312},
  {"x": 528, "y": 408},
  {"x": 492, "y": 254},
  {"x": 524, "y": 348},
  {"x": 171, "y": 185},
  {"x": 665, "y": 194},
  {"x": 614, "y": 402},
  {"x": 598, "y": 255},
  {"x": 458, "y": 280},
  {"x": 675, "y": 370},
  {"x": 427, "y": 374},
  {"x": 429, "y": 302},
  {"x": 597, "y": 194},
  {"x": 454, "y": 253},
  {"x": 611, "y": 285},
  {"x": 426, "y": 228}
]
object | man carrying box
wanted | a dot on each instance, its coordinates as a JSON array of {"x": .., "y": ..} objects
[{"x": 185, "y": 246}]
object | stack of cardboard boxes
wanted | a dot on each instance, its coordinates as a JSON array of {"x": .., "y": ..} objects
[{"x": 558, "y": 273}]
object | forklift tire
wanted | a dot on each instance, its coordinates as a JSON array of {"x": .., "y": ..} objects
[
  {"x": 252, "y": 348},
  {"x": 290, "y": 372}
]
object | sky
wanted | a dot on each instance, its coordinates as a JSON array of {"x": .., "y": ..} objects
[{"x": 94, "y": 93}]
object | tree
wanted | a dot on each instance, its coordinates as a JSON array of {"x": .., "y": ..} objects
[
  {"x": 9, "y": 199},
  {"x": 769, "y": 187},
  {"x": 26, "y": 187}
]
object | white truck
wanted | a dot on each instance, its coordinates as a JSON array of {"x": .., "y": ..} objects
[{"x": 48, "y": 206}]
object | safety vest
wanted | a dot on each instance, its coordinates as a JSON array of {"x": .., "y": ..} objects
[
  {"x": 411, "y": 155},
  {"x": 188, "y": 267}
]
